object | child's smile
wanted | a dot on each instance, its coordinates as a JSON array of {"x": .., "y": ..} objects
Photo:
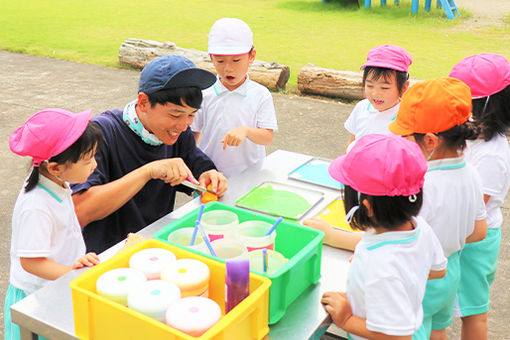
[{"x": 382, "y": 93}]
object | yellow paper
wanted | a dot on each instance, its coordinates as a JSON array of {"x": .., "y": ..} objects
[{"x": 334, "y": 214}]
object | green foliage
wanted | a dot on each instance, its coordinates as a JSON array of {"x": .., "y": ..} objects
[{"x": 335, "y": 34}]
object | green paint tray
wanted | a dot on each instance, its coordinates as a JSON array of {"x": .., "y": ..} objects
[
  {"x": 280, "y": 199},
  {"x": 301, "y": 245}
]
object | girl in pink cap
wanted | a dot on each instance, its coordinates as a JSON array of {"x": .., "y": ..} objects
[
  {"x": 46, "y": 236},
  {"x": 385, "y": 79},
  {"x": 488, "y": 76},
  {"x": 399, "y": 252}
]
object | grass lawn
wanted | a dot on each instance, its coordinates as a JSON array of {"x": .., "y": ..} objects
[{"x": 333, "y": 34}]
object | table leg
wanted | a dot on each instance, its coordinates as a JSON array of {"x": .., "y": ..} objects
[
  {"x": 368, "y": 3},
  {"x": 26, "y": 334},
  {"x": 383, "y": 2}
]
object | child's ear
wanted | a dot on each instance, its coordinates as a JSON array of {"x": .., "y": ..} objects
[
  {"x": 404, "y": 88},
  {"x": 430, "y": 141},
  {"x": 367, "y": 205},
  {"x": 55, "y": 169},
  {"x": 252, "y": 55}
]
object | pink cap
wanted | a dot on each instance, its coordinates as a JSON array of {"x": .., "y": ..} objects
[
  {"x": 382, "y": 165},
  {"x": 486, "y": 73},
  {"x": 389, "y": 56},
  {"x": 47, "y": 133}
]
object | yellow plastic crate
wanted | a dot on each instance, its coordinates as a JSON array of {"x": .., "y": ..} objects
[{"x": 96, "y": 317}]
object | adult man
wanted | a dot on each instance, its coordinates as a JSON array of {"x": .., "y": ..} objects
[{"x": 148, "y": 151}]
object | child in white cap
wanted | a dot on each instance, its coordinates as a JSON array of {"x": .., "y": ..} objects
[
  {"x": 385, "y": 79},
  {"x": 383, "y": 177},
  {"x": 237, "y": 117},
  {"x": 46, "y": 236},
  {"x": 488, "y": 76}
]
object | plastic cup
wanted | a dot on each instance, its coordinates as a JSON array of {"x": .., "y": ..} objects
[
  {"x": 227, "y": 248},
  {"x": 275, "y": 261},
  {"x": 219, "y": 224},
  {"x": 252, "y": 235},
  {"x": 183, "y": 236}
]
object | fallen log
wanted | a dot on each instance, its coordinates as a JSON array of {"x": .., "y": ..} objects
[
  {"x": 137, "y": 53},
  {"x": 332, "y": 83}
]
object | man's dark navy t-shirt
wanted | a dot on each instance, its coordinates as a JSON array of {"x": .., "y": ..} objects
[{"x": 122, "y": 152}]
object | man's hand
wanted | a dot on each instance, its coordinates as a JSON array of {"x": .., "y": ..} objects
[
  {"x": 170, "y": 170},
  {"x": 216, "y": 179}
]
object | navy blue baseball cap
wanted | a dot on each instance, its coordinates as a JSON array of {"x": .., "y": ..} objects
[{"x": 173, "y": 71}]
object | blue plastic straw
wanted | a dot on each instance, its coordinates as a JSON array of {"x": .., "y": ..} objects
[
  {"x": 270, "y": 231},
  {"x": 206, "y": 240},
  {"x": 197, "y": 223},
  {"x": 264, "y": 259}
]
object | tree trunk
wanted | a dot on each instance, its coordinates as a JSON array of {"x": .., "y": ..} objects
[
  {"x": 137, "y": 53},
  {"x": 331, "y": 83}
]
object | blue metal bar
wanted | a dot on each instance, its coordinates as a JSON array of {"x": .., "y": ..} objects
[{"x": 414, "y": 6}]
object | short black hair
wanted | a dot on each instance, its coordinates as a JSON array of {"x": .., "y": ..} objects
[
  {"x": 378, "y": 72},
  {"x": 191, "y": 95},
  {"x": 87, "y": 143},
  {"x": 389, "y": 212},
  {"x": 455, "y": 138},
  {"x": 493, "y": 118}
]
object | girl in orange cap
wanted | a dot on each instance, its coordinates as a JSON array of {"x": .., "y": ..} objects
[{"x": 435, "y": 114}]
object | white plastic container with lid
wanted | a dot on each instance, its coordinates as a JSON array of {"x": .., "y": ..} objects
[
  {"x": 275, "y": 261},
  {"x": 117, "y": 283},
  {"x": 228, "y": 248},
  {"x": 193, "y": 315},
  {"x": 151, "y": 261},
  {"x": 253, "y": 235},
  {"x": 191, "y": 276},
  {"x": 219, "y": 224},
  {"x": 183, "y": 237},
  {"x": 153, "y": 298}
]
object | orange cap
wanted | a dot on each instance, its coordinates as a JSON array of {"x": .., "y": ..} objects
[{"x": 433, "y": 106}]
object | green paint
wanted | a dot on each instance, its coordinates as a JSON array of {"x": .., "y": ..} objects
[{"x": 277, "y": 202}]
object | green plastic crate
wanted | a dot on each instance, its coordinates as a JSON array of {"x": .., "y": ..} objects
[{"x": 301, "y": 245}]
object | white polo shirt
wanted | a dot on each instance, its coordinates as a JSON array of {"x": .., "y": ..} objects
[
  {"x": 44, "y": 224},
  {"x": 365, "y": 119},
  {"x": 251, "y": 104},
  {"x": 492, "y": 162},
  {"x": 388, "y": 275},
  {"x": 452, "y": 201}
]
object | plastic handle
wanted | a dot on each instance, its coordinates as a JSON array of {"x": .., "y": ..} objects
[
  {"x": 270, "y": 231},
  {"x": 197, "y": 222}
]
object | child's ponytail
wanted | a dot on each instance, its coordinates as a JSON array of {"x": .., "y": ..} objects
[
  {"x": 33, "y": 179},
  {"x": 455, "y": 138},
  {"x": 493, "y": 113}
]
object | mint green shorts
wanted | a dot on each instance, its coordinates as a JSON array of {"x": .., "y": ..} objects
[
  {"x": 478, "y": 263},
  {"x": 439, "y": 300},
  {"x": 11, "y": 330}
]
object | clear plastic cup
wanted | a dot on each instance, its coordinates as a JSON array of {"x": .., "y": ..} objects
[
  {"x": 183, "y": 236},
  {"x": 252, "y": 235},
  {"x": 228, "y": 248},
  {"x": 219, "y": 224},
  {"x": 275, "y": 261}
]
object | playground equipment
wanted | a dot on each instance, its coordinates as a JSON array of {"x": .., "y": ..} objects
[{"x": 449, "y": 6}]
